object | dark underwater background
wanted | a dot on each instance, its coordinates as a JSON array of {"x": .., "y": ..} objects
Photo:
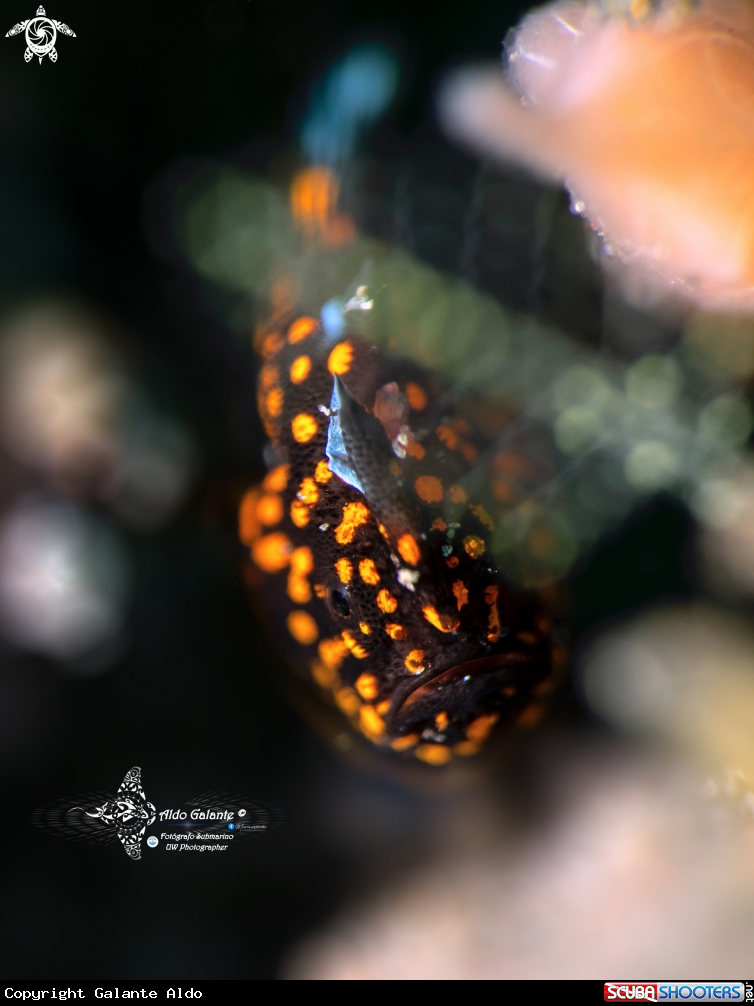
[{"x": 93, "y": 149}]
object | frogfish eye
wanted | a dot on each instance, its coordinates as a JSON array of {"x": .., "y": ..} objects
[{"x": 340, "y": 603}]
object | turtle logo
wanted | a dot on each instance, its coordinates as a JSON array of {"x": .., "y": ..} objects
[{"x": 41, "y": 33}]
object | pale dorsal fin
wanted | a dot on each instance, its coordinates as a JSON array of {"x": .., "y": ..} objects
[{"x": 360, "y": 454}]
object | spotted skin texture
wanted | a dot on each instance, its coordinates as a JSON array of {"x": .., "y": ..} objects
[{"x": 418, "y": 641}]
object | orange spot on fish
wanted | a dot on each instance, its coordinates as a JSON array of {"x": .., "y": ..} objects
[
  {"x": 415, "y": 449},
  {"x": 457, "y": 494},
  {"x": 441, "y": 721},
  {"x": 395, "y": 631},
  {"x": 386, "y": 602},
  {"x": 272, "y": 552},
  {"x": 340, "y": 359},
  {"x": 300, "y": 329},
  {"x": 298, "y": 589},
  {"x": 272, "y": 345},
  {"x": 332, "y": 652},
  {"x": 433, "y": 754},
  {"x": 438, "y": 524},
  {"x": 466, "y": 748},
  {"x": 355, "y": 647},
  {"x": 370, "y": 722},
  {"x": 273, "y": 403},
  {"x": 473, "y": 545},
  {"x": 404, "y": 743},
  {"x": 409, "y": 549},
  {"x": 344, "y": 569},
  {"x": 448, "y": 437},
  {"x": 300, "y": 369},
  {"x": 417, "y": 396},
  {"x": 365, "y": 628},
  {"x": 354, "y": 515},
  {"x": 302, "y": 627},
  {"x": 308, "y": 492},
  {"x": 461, "y": 593},
  {"x": 325, "y": 677},
  {"x": 445, "y": 623},
  {"x": 322, "y": 472},
  {"x": 270, "y": 509},
  {"x": 276, "y": 480},
  {"x": 452, "y": 562},
  {"x": 303, "y": 428},
  {"x": 429, "y": 488},
  {"x": 414, "y": 662},
  {"x": 368, "y": 572},
  {"x": 314, "y": 207},
  {"x": 299, "y": 513},
  {"x": 302, "y": 560},
  {"x": 366, "y": 686},
  {"x": 480, "y": 728},
  {"x": 347, "y": 701}
]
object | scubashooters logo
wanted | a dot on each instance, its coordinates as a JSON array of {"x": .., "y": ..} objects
[
  {"x": 41, "y": 35},
  {"x": 676, "y": 991},
  {"x": 209, "y": 823}
]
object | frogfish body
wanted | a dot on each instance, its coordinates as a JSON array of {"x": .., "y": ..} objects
[{"x": 376, "y": 556}]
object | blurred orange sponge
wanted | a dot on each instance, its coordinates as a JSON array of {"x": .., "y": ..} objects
[{"x": 650, "y": 125}]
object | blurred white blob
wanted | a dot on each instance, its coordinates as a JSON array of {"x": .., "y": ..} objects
[
  {"x": 635, "y": 875},
  {"x": 355, "y": 92},
  {"x": 63, "y": 580},
  {"x": 69, "y": 410},
  {"x": 684, "y": 675},
  {"x": 725, "y": 508},
  {"x": 647, "y": 121},
  {"x": 60, "y": 394}
]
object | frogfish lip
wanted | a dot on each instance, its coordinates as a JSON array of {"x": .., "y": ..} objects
[{"x": 471, "y": 679}]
